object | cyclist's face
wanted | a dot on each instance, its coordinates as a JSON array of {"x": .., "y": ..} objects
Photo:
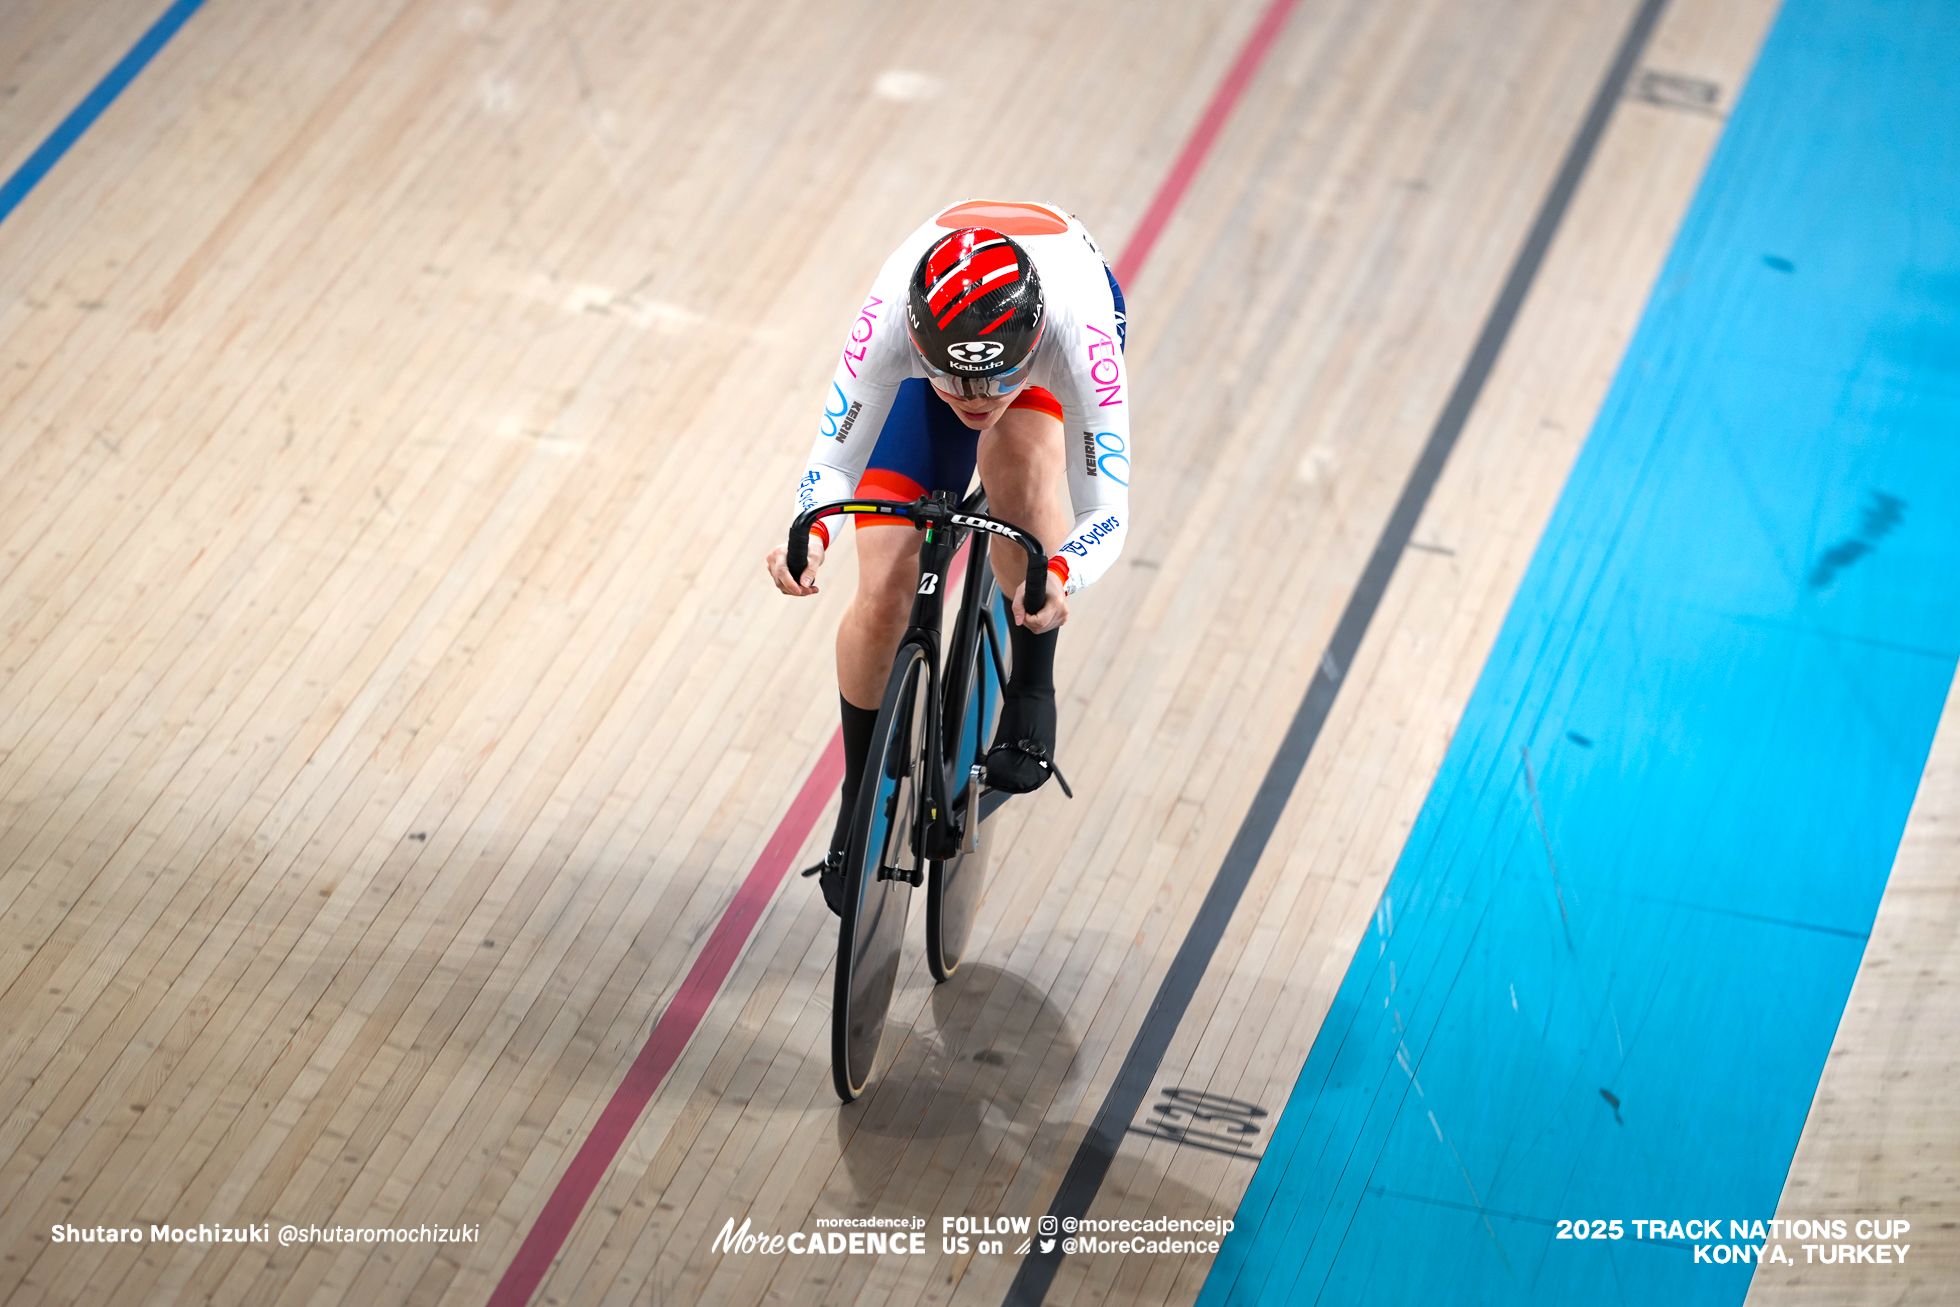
[{"x": 980, "y": 414}]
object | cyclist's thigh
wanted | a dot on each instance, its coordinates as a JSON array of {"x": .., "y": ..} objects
[
  {"x": 1022, "y": 466},
  {"x": 922, "y": 447},
  {"x": 888, "y": 569},
  {"x": 1025, "y": 444}
]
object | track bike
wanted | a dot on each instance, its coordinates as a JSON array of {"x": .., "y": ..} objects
[{"x": 923, "y": 809}]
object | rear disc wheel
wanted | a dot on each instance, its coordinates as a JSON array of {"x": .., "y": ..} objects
[{"x": 956, "y": 885}]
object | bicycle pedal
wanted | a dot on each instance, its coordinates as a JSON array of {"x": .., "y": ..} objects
[{"x": 914, "y": 877}]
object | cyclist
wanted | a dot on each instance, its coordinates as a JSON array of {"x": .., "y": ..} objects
[{"x": 993, "y": 335}]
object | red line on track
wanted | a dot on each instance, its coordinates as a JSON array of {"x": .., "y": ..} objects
[
  {"x": 1198, "y": 145},
  {"x": 670, "y": 1035},
  {"x": 683, "y": 1016}
]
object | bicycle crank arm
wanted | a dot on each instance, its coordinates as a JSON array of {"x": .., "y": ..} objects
[{"x": 972, "y": 840}]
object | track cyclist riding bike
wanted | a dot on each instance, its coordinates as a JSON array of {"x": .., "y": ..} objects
[{"x": 994, "y": 335}]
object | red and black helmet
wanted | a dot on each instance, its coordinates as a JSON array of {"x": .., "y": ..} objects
[{"x": 975, "y": 312}]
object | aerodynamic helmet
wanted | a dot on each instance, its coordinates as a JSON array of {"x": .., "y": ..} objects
[{"x": 975, "y": 313}]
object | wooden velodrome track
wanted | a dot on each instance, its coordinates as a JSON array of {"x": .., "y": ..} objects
[{"x": 398, "y": 400}]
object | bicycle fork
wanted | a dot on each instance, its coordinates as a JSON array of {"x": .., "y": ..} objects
[{"x": 928, "y": 610}]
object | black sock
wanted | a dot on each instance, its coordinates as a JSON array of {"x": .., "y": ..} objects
[
  {"x": 858, "y": 726},
  {"x": 1034, "y": 661}
]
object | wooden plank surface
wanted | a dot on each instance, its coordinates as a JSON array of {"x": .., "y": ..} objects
[
  {"x": 399, "y": 398},
  {"x": 1878, "y": 1145}
]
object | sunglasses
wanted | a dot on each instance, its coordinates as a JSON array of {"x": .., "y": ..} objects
[{"x": 994, "y": 387}]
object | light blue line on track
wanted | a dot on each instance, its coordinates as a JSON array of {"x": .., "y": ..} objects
[
  {"x": 1609, "y": 965},
  {"x": 83, "y": 116}
]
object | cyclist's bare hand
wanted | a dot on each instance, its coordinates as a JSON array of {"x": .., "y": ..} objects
[
  {"x": 1052, "y": 615},
  {"x": 779, "y": 569}
]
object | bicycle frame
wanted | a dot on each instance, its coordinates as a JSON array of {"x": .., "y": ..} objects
[{"x": 938, "y": 832}]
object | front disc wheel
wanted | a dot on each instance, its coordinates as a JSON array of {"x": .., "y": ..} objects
[{"x": 879, "y": 861}]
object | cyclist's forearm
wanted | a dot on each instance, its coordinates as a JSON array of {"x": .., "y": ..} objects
[
  {"x": 1098, "y": 463},
  {"x": 1094, "y": 544}
]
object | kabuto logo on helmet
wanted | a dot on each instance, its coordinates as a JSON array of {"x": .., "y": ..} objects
[{"x": 978, "y": 353}]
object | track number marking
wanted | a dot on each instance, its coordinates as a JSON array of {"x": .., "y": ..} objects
[{"x": 1202, "y": 1120}]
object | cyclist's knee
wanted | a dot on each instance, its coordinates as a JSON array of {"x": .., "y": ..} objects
[
  {"x": 888, "y": 573},
  {"x": 1022, "y": 468},
  {"x": 1024, "y": 444}
]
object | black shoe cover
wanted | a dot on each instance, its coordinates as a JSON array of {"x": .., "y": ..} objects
[
  {"x": 1023, "y": 753},
  {"x": 830, "y": 879}
]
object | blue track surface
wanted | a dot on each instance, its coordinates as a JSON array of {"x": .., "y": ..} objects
[
  {"x": 83, "y": 116},
  {"x": 1608, "y": 968}
]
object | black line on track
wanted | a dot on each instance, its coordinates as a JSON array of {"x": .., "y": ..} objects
[{"x": 1097, "y": 1151}]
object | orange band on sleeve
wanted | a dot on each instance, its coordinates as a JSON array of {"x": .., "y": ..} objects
[
  {"x": 883, "y": 483},
  {"x": 1059, "y": 566},
  {"x": 1042, "y": 401}
]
